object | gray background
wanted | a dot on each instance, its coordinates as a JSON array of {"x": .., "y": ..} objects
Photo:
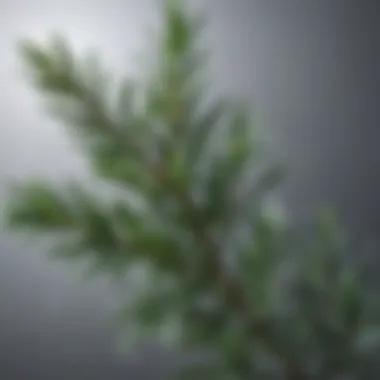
[{"x": 311, "y": 69}]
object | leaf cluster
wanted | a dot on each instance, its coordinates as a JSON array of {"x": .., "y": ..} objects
[{"x": 218, "y": 272}]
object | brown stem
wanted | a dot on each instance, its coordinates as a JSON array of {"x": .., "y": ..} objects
[{"x": 233, "y": 291}]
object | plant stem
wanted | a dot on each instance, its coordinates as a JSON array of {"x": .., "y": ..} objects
[{"x": 232, "y": 290}]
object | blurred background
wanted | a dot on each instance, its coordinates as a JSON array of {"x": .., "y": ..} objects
[{"x": 312, "y": 72}]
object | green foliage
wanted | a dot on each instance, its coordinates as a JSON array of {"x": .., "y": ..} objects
[{"x": 220, "y": 272}]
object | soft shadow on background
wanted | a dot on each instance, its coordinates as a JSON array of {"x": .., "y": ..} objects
[{"x": 312, "y": 72}]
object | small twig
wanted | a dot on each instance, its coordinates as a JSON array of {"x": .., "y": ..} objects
[{"x": 233, "y": 291}]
